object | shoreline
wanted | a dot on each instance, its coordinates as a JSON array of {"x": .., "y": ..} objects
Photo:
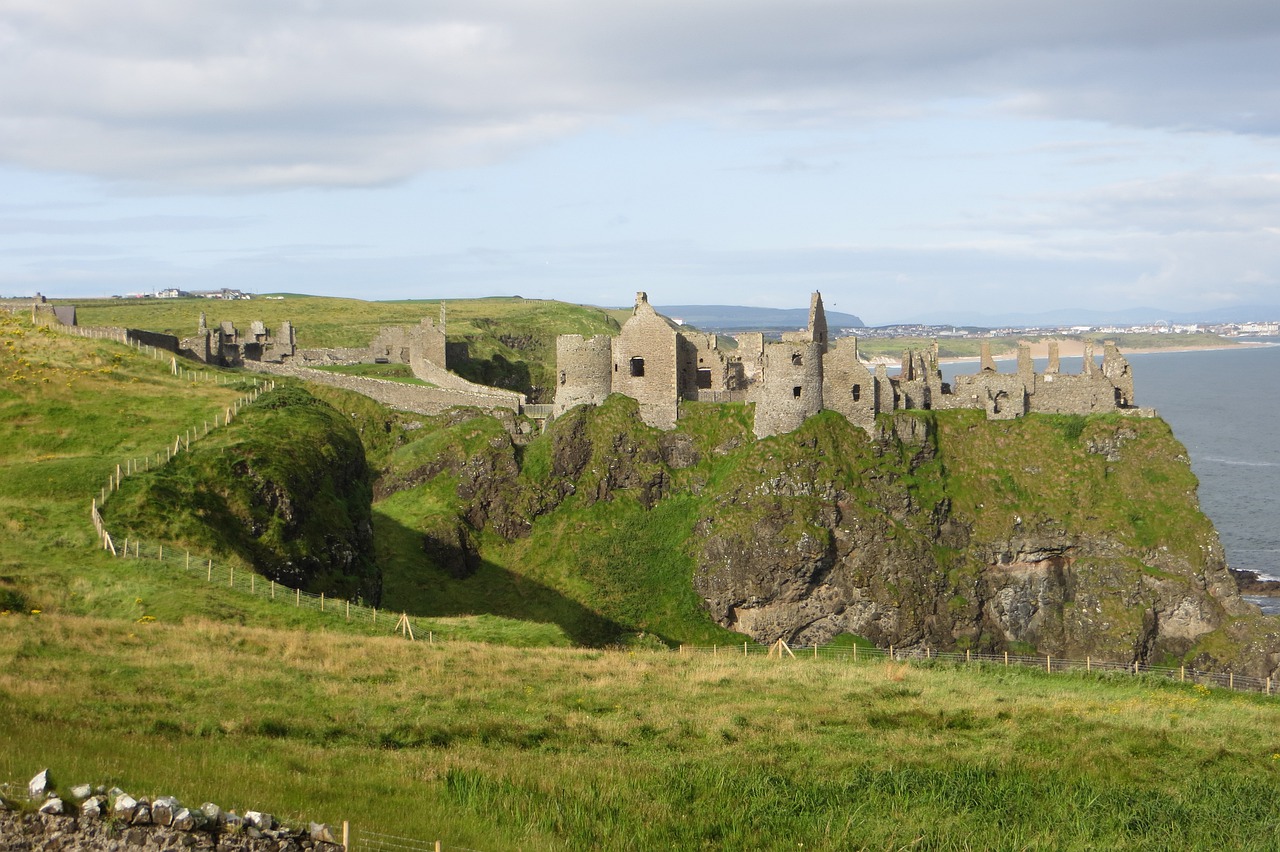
[{"x": 1075, "y": 349}]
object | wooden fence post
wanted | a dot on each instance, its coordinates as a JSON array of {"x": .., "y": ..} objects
[
  {"x": 1048, "y": 664},
  {"x": 1006, "y": 659},
  {"x": 346, "y": 833}
]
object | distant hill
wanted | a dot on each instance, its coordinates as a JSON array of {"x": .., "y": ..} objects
[
  {"x": 1073, "y": 316},
  {"x": 727, "y": 319}
]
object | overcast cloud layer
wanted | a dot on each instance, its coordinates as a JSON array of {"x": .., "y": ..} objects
[{"x": 899, "y": 155}]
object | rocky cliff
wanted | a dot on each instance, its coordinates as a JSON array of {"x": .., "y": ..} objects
[{"x": 1072, "y": 536}]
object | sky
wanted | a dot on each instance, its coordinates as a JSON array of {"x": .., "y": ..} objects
[{"x": 904, "y": 157}]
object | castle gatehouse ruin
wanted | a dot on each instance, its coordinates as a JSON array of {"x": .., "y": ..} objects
[{"x": 656, "y": 362}]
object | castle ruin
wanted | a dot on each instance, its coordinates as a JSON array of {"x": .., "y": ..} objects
[{"x": 659, "y": 364}]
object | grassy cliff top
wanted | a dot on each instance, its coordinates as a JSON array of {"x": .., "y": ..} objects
[{"x": 323, "y": 321}]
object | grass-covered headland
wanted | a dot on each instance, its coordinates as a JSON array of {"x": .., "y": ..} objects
[{"x": 138, "y": 673}]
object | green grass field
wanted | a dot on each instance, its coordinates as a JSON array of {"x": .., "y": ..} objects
[
  {"x": 491, "y": 748},
  {"x": 146, "y": 676}
]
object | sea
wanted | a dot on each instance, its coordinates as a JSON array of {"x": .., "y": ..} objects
[{"x": 1224, "y": 406}]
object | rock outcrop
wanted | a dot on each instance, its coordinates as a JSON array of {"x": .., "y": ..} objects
[{"x": 1067, "y": 535}]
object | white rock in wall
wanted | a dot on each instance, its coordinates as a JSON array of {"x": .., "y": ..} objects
[
  {"x": 260, "y": 821},
  {"x": 40, "y": 785},
  {"x": 53, "y": 806},
  {"x": 81, "y": 791},
  {"x": 322, "y": 833},
  {"x": 163, "y": 808},
  {"x": 124, "y": 806},
  {"x": 189, "y": 820}
]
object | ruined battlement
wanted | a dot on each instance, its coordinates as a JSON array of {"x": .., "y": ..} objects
[{"x": 657, "y": 363}]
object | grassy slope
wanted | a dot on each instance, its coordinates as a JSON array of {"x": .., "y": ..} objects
[
  {"x": 70, "y": 410},
  {"x": 491, "y": 748},
  {"x": 511, "y": 342}
]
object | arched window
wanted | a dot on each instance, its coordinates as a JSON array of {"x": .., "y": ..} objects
[
  {"x": 797, "y": 360},
  {"x": 637, "y": 367},
  {"x": 857, "y": 392}
]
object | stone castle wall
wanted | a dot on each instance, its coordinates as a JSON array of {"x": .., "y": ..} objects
[
  {"x": 659, "y": 364},
  {"x": 791, "y": 389},
  {"x": 645, "y": 365},
  {"x": 399, "y": 395},
  {"x": 584, "y": 367}
]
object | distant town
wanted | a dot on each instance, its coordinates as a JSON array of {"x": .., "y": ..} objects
[{"x": 1225, "y": 329}]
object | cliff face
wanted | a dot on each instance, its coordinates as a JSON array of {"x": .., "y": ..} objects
[
  {"x": 1063, "y": 535},
  {"x": 1068, "y": 536}
]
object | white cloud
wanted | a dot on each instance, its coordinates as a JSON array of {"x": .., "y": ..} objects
[{"x": 231, "y": 93}]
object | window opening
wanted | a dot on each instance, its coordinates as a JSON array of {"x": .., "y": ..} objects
[
  {"x": 857, "y": 392},
  {"x": 637, "y": 367},
  {"x": 795, "y": 391},
  {"x": 704, "y": 378}
]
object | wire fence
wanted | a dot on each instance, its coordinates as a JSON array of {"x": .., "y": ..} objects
[
  {"x": 1046, "y": 663},
  {"x": 252, "y": 583},
  {"x": 181, "y": 443},
  {"x": 365, "y": 840}
]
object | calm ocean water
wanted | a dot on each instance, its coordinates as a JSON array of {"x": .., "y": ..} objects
[{"x": 1225, "y": 407}]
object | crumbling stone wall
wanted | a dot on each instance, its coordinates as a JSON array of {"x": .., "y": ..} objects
[
  {"x": 399, "y": 395},
  {"x": 790, "y": 390},
  {"x": 658, "y": 364},
  {"x": 89, "y": 818},
  {"x": 645, "y": 364},
  {"x": 583, "y": 370},
  {"x": 849, "y": 386}
]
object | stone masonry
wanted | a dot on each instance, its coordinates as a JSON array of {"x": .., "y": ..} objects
[{"x": 658, "y": 363}]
